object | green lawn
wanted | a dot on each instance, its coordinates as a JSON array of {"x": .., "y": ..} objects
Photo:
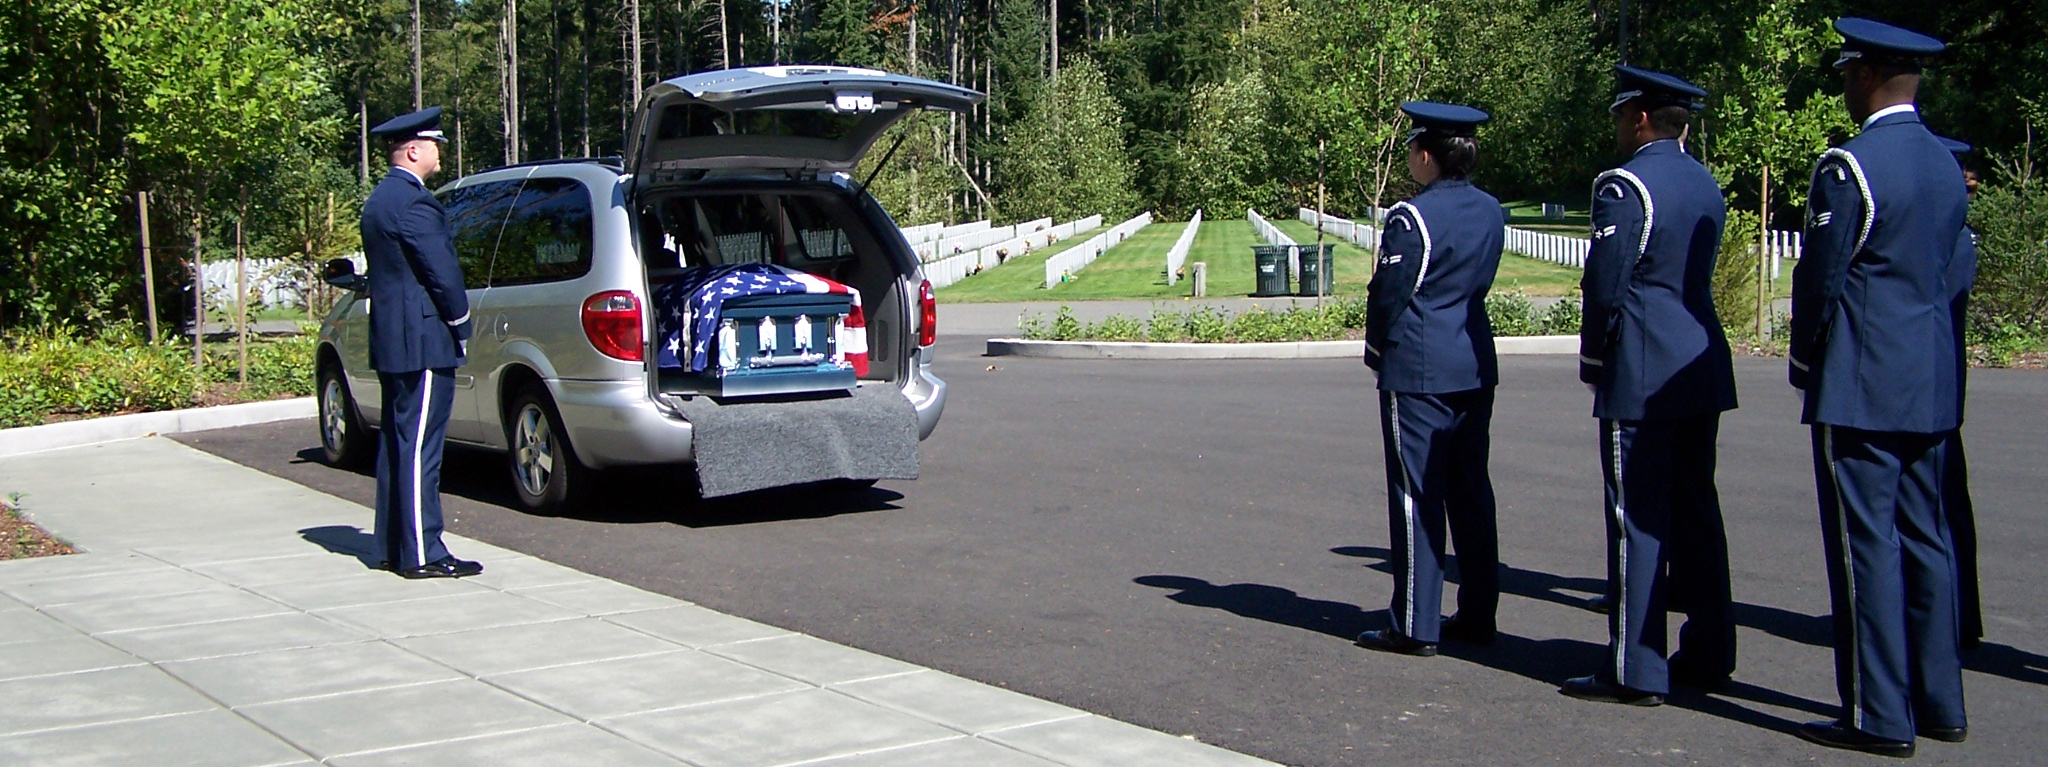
[
  {"x": 1021, "y": 278},
  {"x": 1533, "y": 277},
  {"x": 1134, "y": 268},
  {"x": 1528, "y": 214},
  {"x": 1225, "y": 244}
]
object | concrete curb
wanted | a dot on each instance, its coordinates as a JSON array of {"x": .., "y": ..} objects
[
  {"x": 1080, "y": 350},
  {"x": 92, "y": 431}
]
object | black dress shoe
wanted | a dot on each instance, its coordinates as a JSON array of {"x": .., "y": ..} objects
[
  {"x": 1467, "y": 630},
  {"x": 1600, "y": 604},
  {"x": 445, "y": 567},
  {"x": 1945, "y": 734},
  {"x": 1837, "y": 735},
  {"x": 1389, "y": 640},
  {"x": 1595, "y": 689}
]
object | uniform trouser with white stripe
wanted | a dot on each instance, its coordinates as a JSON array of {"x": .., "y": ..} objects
[
  {"x": 1663, "y": 510},
  {"x": 1437, "y": 447},
  {"x": 1891, "y": 578},
  {"x": 1962, "y": 531},
  {"x": 409, "y": 465}
]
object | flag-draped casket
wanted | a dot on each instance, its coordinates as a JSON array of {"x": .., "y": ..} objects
[{"x": 756, "y": 329}]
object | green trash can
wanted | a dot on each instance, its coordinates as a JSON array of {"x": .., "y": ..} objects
[
  {"x": 1270, "y": 263},
  {"x": 1315, "y": 272}
]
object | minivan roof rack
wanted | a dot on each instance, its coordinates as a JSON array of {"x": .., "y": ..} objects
[{"x": 614, "y": 162}]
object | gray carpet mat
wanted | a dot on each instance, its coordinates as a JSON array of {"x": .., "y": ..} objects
[{"x": 743, "y": 446}]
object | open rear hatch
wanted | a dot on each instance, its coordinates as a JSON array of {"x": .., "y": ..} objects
[
  {"x": 798, "y": 123},
  {"x": 816, "y": 119}
]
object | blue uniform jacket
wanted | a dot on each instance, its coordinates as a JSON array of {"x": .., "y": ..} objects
[
  {"x": 1426, "y": 329},
  {"x": 1962, "y": 278},
  {"x": 1873, "y": 341},
  {"x": 1651, "y": 342},
  {"x": 419, "y": 313}
]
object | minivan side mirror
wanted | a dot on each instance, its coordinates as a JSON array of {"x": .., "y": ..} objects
[{"x": 341, "y": 273}]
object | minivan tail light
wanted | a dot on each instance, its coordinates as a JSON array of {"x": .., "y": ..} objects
[
  {"x": 928, "y": 315},
  {"x": 612, "y": 322}
]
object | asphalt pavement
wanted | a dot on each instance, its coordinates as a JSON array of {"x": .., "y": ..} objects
[{"x": 1190, "y": 546}]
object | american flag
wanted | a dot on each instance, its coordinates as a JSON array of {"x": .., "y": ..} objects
[{"x": 689, "y": 311}]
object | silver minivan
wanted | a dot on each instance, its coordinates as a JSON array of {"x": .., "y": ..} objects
[{"x": 561, "y": 260}]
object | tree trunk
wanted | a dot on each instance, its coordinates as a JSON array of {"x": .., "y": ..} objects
[
  {"x": 199, "y": 286},
  {"x": 724, "y": 45},
  {"x": 555, "y": 80},
  {"x": 242, "y": 290},
  {"x": 583, "y": 93},
  {"x": 148, "y": 266},
  {"x": 416, "y": 99},
  {"x": 516, "y": 142},
  {"x": 363, "y": 123},
  {"x": 1052, "y": 36},
  {"x": 1763, "y": 259},
  {"x": 633, "y": 8}
]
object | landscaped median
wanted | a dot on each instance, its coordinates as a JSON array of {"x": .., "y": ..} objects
[
  {"x": 1333, "y": 328},
  {"x": 61, "y": 390}
]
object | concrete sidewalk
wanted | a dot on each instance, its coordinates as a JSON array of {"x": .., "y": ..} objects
[{"x": 221, "y": 616}]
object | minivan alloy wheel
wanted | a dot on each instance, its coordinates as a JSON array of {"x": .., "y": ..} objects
[
  {"x": 534, "y": 447},
  {"x": 333, "y": 415}
]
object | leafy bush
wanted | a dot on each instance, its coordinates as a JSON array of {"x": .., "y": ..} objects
[
  {"x": 2009, "y": 305},
  {"x": 1735, "y": 275},
  {"x": 1513, "y": 314},
  {"x": 1564, "y": 317},
  {"x": 1336, "y": 319},
  {"x": 56, "y": 373}
]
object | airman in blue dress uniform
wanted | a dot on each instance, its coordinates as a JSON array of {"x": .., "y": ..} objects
[
  {"x": 1874, "y": 350},
  {"x": 1428, "y": 336},
  {"x": 1653, "y": 353},
  {"x": 1955, "y": 470},
  {"x": 419, "y": 320}
]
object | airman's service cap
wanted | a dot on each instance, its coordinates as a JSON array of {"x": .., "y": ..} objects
[
  {"x": 1452, "y": 120},
  {"x": 425, "y": 123},
  {"x": 1654, "y": 89}
]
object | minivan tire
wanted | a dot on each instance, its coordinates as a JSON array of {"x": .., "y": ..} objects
[
  {"x": 344, "y": 441},
  {"x": 545, "y": 473}
]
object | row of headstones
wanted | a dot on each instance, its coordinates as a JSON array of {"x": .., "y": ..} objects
[
  {"x": 1024, "y": 238},
  {"x": 1063, "y": 266}
]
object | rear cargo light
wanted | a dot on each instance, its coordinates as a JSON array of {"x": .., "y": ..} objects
[
  {"x": 612, "y": 322},
  {"x": 928, "y": 315}
]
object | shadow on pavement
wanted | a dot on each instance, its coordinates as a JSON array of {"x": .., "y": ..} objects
[
  {"x": 1549, "y": 661},
  {"x": 1784, "y": 624},
  {"x": 1528, "y": 584},
  {"x": 347, "y": 540},
  {"x": 1271, "y": 604},
  {"x": 2009, "y": 662},
  {"x": 653, "y": 494}
]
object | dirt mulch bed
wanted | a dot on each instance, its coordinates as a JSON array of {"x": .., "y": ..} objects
[{"x": 21, "y": 539}]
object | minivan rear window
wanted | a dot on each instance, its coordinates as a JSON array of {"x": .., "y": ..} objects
[
  {"x": 547, "y": 236},
  {"x": 798, "y": 231}
]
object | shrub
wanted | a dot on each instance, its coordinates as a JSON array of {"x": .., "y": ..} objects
[
  {"x": 1513, "y": 314},
  {"x": 2007, "y": 305},
  {"x": 1564, "y": 317},
  {"x": 58, "y": 373},
  {"x": 1735, "y": 275}
]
